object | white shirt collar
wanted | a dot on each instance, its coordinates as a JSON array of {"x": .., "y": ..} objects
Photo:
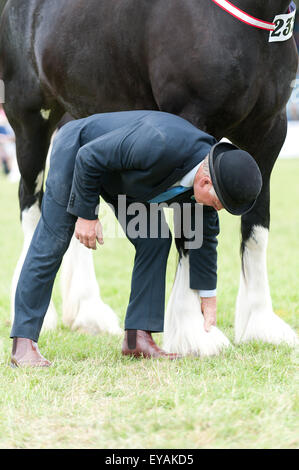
[{"x": 188, "y": 180}]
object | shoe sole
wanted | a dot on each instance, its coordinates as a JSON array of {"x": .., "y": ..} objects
[
  {"x": 15, "y": 365},
  {"x": 143, "y": 356}
]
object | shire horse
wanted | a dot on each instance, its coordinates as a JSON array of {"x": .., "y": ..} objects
[{"x": 190, "y": 58}]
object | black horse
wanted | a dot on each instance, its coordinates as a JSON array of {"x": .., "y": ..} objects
[{"x": 189, "y": 58}]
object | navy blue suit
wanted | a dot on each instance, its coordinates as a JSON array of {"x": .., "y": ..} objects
[{"x": 137, "y": 153}]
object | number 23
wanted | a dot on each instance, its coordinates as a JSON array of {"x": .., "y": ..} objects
[{"x": 279, "y": 24}]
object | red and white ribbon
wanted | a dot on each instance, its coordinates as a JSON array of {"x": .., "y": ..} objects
[{"x": 242, "y": 16}]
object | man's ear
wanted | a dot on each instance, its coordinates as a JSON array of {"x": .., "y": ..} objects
[{"x": 204, "y": 181}]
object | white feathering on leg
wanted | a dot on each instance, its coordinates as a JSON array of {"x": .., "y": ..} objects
[
  {"x": 83, "y": 307},
  {"x": 255, "y": 319},
  {"x": 184, "y": 323}
]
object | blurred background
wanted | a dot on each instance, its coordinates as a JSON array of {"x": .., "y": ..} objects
[
  {"x": 7, "y": 149},
  {"x": 290, "y": 148}
]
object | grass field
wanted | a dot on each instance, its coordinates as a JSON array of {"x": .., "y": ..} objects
[{"x": 92, "y": 397}]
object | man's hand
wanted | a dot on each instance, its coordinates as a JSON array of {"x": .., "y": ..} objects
[
  {"x": 209, "y": 309},
  {"x": 88, "y": 232}
]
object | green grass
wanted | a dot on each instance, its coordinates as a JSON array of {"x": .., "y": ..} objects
[{"x": 92, "y": 397}]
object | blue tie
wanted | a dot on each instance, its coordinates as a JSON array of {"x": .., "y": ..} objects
[{"x": 169, "y": 194}]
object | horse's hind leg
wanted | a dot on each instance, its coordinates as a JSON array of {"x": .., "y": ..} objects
[
  {"x": 255, "y": 319},
  {"x": 33, "y": 130},
  {"x": 83, "y": 308}
]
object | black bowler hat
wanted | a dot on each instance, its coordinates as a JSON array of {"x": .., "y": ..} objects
[{"x": 236, "y": 177}]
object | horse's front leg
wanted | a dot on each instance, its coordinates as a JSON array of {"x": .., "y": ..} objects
[
  {"x": 185, "y": 331},
  {"x": 254, "y": 316}
]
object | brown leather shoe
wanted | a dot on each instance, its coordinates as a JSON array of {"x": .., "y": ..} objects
[
  {"x": 139, "y": 343},
  {"x": 25, "y": 352}
]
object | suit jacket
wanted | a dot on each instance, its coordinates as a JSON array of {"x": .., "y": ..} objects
[
  {"x": 140, "y": 154},
  {"x": 140, "y": 159}
]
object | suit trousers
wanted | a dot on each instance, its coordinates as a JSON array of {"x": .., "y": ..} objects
[{"x": 50, "y": 241}]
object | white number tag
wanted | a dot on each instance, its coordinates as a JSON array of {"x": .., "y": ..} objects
[{"x": 284, "y": 26}]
